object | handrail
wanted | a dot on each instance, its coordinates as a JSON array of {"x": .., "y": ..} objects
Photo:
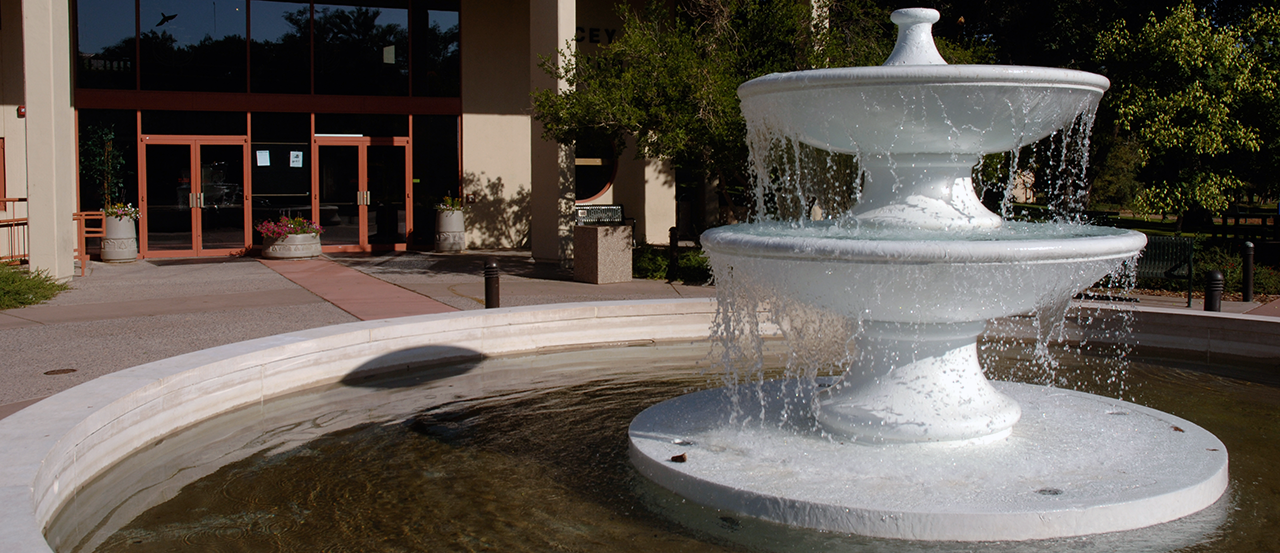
[
  {"x": 16, "y": 230},
  {"x": 84, "y": 231}
]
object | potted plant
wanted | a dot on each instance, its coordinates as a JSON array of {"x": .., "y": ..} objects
[
  {"x": 102, "y": 163},
  {"x": 119, "y": 235},
  {"x": 451, "y": 228},
  {"x": 295, "y": 238}
]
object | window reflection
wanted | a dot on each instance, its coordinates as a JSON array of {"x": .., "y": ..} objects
[
  {"x": 193, "y": 45},
  {"x": 348, "y": 47},
  {"x": 436, "y": 58},
  {"x": 105, "y": 37},
  {"x": 280, "y": 48},
  {"x": 362, "y": 50}
]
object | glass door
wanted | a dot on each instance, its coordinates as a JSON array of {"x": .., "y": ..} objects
[
  {"x": 194, "y": 191},
  {"x": 221, "y": 200},
  {"x": 362, "y": 187},
  {"x": 166, "y": 213},
  {"x": 386, "y": 192},
  {"x": 340, "y": 192}
]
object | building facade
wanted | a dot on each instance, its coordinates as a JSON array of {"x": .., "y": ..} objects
[{"x": 359, "y": 114}]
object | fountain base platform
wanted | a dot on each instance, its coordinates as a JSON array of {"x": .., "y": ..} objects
[{"x": 1076, "y": 464}]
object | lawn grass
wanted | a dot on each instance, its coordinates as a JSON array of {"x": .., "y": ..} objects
[{"x": 20, "y": 287}]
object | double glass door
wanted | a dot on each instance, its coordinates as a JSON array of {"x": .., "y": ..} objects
[
  {"x": 362, "y": 191},
  {"x": 193, "y": 192}
]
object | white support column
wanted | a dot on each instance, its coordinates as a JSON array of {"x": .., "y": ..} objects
[
  {"x": 50, "y": 135},
  {"x": 551, "y": 28}
]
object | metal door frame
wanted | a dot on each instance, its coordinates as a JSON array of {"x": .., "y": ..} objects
[{"x": 197, "y": 228}]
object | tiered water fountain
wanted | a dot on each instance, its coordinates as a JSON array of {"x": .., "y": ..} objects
[{"x": 912, "y": 441}]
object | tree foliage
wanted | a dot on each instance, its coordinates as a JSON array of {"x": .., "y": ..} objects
[
  {"x": 1182, "y": 92},
  {"x": 670, "y": 80}
]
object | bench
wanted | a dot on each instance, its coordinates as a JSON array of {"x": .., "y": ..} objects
[{"x": 1168, "y": 257}]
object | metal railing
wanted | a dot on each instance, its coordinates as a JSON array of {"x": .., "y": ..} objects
[{"x": 15, "y": 230}]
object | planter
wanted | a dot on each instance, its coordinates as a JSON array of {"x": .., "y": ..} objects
[
  {"x": 119, "y": 240},
  {"x": 451, "y": 231},
  {"x": 292, "y": 246}
]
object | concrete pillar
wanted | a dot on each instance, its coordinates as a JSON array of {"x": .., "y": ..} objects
[
  {"x": 50, "y": 135},
  {"x": 551, "y": 28},
  {"x": 659, "y": 200}
]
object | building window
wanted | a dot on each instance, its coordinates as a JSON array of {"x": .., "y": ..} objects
[
  {"x": 106, "y": 41},
  {"x": 362, "y": 50},
  {"x": 271, "y": 46},
  {"x": 193, "y": 45},
  {"x": 281, "y": 47},
  {"x": 437, "y": 61}
]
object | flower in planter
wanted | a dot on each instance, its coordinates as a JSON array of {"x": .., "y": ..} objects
[
  {"x": 286, "y": 226},
  {"x": 122, "y": 210},
  {"x": 450, "y": 204}
]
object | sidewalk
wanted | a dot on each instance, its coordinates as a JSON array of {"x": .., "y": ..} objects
[{"x": 124, "y": 315}]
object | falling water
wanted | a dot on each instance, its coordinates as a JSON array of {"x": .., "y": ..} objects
[{"x": 795, "y": 169}]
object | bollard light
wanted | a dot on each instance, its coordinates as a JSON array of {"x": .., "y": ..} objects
[
  {"x": 1213, "y": 291},
  {"x": 491, "y": 299},
  {"x": 1246, "y": 279}
]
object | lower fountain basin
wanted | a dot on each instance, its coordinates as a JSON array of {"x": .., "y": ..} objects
[
  {"x": 906, "y": 276},
  {"x": 1081, "y": 464}
]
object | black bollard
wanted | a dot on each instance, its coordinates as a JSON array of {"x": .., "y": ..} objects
[
  {"x": 491, "y": 299},
  {"x": 673, "y": 254},
  {"x": 1213, "y": 291},
  {"x": 1246, "y": 279}
]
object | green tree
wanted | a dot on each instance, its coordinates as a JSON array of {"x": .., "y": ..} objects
[
  {"x": 670, "y": 80},
  {"x": 1182, "y": 90}
]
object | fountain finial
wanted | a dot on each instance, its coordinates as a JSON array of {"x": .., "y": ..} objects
[{"x": 915, "y": 38}]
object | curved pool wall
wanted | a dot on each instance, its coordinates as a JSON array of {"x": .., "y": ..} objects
[{"x": 53, "y": 448}]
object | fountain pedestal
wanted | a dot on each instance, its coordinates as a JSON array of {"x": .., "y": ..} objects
[
  {"x": 916, "y": 383},
  {"x": 922, "y": 191}
]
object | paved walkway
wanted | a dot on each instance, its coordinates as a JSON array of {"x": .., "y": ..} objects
[{"x": 123, "y": 315}]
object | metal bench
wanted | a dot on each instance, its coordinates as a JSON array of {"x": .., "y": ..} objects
[{"x": 1170, "y": 258}]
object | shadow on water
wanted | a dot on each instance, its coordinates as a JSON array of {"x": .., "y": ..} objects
[{"x": 412, "y": 367}]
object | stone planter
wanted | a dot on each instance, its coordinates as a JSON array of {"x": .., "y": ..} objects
[
  {"x": 293, "y": 246},
  {"x": 120, "y": 240},
  {"x": 451, "y": 231}
]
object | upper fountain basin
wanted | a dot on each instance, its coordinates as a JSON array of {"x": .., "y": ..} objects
[{"x": 913, "y": 109}]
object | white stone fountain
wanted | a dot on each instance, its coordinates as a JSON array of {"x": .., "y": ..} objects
[{"x": 913, "y": 441}]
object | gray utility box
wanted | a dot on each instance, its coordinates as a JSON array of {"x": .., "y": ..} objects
[{"x": 601, "y": 245}]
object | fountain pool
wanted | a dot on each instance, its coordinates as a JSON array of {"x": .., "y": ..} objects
[
  {"x": 530, "y": 453},
  {"x": 56, "y": 449}
]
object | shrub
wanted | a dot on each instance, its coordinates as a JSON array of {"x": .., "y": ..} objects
[
  {"x": 20, "y": 287},
  {"x": 649, "y": 262},
  {"x": 692, "y": 266}
]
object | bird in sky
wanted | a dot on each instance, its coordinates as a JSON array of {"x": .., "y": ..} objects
[{"x": 165, "y": 18}]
